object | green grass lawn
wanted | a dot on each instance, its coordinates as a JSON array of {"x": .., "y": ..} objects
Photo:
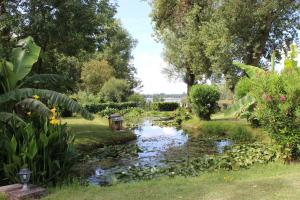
[
  {"x": 268, "y": 182},
  {"x": 95, "y": 133}
]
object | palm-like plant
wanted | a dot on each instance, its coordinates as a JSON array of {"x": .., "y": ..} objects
[
  {"x": 15, "y": 85},
  {"x": 244, "y": 103}
]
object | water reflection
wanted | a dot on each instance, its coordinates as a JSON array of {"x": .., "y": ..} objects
[{"x": 160, "y": 146}]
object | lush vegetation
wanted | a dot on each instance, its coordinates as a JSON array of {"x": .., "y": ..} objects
[
  {"x": 164, "y": 106},
  {"x": 202, "y": 39},
  {"x": 31, "y": 134},
  {"x": 204, "y": 100},
  {"x": 60, "y": 61}
]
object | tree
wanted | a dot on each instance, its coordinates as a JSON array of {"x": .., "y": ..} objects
[
  {"x": 13, "y": 81},
  {"x": 183, "y": 52},
  {"x": 115, "y": 90},
  {"x": 225, "y": 31},
  {"x": 95, "y": 73},
  {"x": 72, "y": 30}
]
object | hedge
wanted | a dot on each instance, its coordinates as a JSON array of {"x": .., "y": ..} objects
[
  {"x": 164, "y": 106},
  {"x": 95, "y": 108}
]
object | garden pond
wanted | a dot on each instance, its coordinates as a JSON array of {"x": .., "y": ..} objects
[{"x": 155, "y": 147}]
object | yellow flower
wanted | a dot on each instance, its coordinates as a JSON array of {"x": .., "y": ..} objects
[
  {"x": 36, "y": 97},
  {"x": 53, "y": 110},
  {"x": 29, "y": 113},
  {"x": 54, "y": 121}
]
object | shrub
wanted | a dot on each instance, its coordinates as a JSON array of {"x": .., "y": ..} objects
[
  {"x": 85, "y": 98},
  {"x": 164, "y": 106},
  {"x": 107, "y": 112},
  {"x": 137, "y": 98},
  {"x": 204, "y": 100},
  {"x": 95, "y": 108},
  {"x": 278, "y": 104},
  {"x": 47, "y": 150},
  {"x": 115, "y": 90}
]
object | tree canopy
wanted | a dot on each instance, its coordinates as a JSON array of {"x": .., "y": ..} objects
[
  {"x": 209, "y": 35},
  {"x": 69, "y": 31}
]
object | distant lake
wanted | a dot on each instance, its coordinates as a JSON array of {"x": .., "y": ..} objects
[{"x": 177, "y": 100}]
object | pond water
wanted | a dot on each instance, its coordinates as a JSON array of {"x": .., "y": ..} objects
[{"x": 158, "y": 147}]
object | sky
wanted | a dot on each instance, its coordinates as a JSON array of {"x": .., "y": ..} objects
[{"x": 148, "y": 59}]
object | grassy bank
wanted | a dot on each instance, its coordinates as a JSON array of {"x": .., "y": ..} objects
[
  {"x": 268, "y": 182},
  {"x": 222, "y": 126},
  {"x": 96, "y": 133}
]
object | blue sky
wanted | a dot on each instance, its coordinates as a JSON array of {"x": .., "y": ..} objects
[{"x": 134, "y": 15}]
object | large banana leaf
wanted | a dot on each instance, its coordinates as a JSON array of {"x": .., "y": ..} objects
[
  {"x": 23, "y": 57},
  {"x": 7, "y": 117},
  {"x": 54, "y": 98},
  {"x": 35, "y": 106},
  {"x": 240, "y": 106},
  {"x": 250, "y": 70},
  {"x": 51, "y": 79}
]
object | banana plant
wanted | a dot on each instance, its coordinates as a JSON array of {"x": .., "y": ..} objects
[
  {"x": 242, "y": 105},
  {"x": 16, "y": 84}
]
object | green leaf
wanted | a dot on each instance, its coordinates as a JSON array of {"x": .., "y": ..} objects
[
  {"x": 13, "y": 144},
  {"x": 250, "y": 70},
  {"x": 240, "y": 106},
  {"x": 51, "y": 79},
  {"x": 35, "y": 106},
  {"x": 23, "y": 57},
  {"x": 54, "y": 98},
  {"x": 5, "y": 117}
]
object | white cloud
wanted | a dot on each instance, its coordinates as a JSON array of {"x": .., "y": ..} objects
[{"x": 149, "y": 70}]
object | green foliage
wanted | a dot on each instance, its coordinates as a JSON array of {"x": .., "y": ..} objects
[
  {"x": 115, "y": 90},
  {"x": 204, "y": 100},
  {"x": 70, "y": 33},
  {"x": 107, "y": 112},
  {"x": 85, "y": 98},
  {"x": 242, "y": 88},
  {"x": 236, "y": 132},
  {"x": 13, "y": 73},
  {"x": 202, "y": 38},
  {"x": 45, "y": 149},
  {"x": 238, "y": 157},
  {"x": 95, "y": 108},
  {"x": 137, "y": 98},
  {"x": 240, "y": 134},
  {"x": 164, "y": 106},
  {"x": 277, "y": 103},
  {"x": 94, "y": 74}
]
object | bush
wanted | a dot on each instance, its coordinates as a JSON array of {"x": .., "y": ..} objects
[
  {"x": 47, "y": 150},
  {"x": 95, "y": 108},
  {"x": 278, "y": 104},
  {"x": 115, "y": 90},
  {"x": 85, "y": 98},
  {"x": 137, "y": 98},
  {"x": 204, "y": 100},
  {"x": 164, "y": 106}
]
